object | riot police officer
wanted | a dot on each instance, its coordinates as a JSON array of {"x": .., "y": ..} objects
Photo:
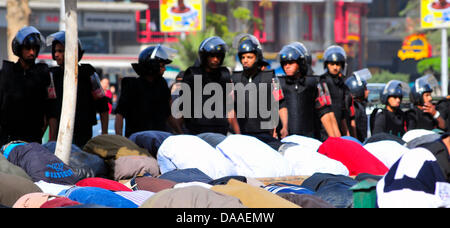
[
  {"x": 253, "y": 87},
  {"x": 144, "y": 102},
  {"x": 307, "y": 102},
  {"x": 391, "y": 119},
  {"x": 90, "y": 95},
  {"x": 335, "y": 64},
  {"x": 209, "y": 70},
  {"x": 357, "y": 84},
  {"x": 423, "y": 114},
  {"x": 24, "y": 100},
  {"x": 443, "y": 106}
]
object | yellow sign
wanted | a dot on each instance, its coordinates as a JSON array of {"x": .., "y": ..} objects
[
  {"x": 415, "y": 47},
  {"x": 181, "y": 16},
  {"x": 435, "y": 14}
]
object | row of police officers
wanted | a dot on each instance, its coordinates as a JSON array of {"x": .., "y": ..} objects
[{"x": 300, "y": 103}]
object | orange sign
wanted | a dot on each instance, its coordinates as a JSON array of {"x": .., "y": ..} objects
[{"x": 415, "y": 47}]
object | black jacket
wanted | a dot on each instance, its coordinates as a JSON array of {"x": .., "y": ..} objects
[
  {"x": 87, "y": 106},
  {"x": 250, "y": 121},
  {"x": 417, "y": 119},
  {"x": 217, "y": 123},
  {"x": 304, "y": 105},
  {"x": 340, "y": 99},
  {"x": 144, "y": 105},
  {"x": 394, "y": 123},
  {"x": 24, "y": 102}
]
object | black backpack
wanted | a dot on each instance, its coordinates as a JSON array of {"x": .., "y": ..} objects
[{"x": 372, "y": 117}]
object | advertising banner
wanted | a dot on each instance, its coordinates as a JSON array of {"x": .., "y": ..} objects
[
  {"x": 182, "y": 16},
  {"x": 435, "y": 14}
]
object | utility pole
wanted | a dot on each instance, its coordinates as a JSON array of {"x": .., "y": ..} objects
[
  {"x": 329, "y": 23},
  {"x": 65, "y": 135},
  {"x": 62, "y": 15}
]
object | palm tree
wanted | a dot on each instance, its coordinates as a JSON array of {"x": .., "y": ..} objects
[{"x": 17, "y": 16}]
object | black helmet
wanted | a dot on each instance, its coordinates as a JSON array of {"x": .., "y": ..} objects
[
  {"x": 151, "y": 57},
  {"x": 27, "y": 36},
  {"x": 357, "y": 83},
  {"x": 305, "y": 50},
  {"x": 335, "y": 54},
  {"x": 60, "y": 37},
  {"x": 393, "y": 88},
  {"x": 212, "y": 45},
  {"x": 292, "y": 53},
  {"x": 422, "y": 85},
  {"x": 246, "y": 43}
]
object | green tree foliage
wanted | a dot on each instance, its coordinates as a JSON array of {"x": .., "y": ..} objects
[
  {"x": 385, "y": 76},
  {"x": 216, "y": 25},
  {"x": 430, "y": 65}
]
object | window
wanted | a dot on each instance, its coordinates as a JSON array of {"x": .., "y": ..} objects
[
  {"x": 148, "y": 27},
  {"x": 307, "y": 18},
  {"x": 266, "y": 14}
]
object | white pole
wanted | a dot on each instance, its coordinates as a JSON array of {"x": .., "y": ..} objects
[
  {"x": 444, "y": 63},
  {"x": 65, "y": 135},
  {"x": 62, "y": 15}
]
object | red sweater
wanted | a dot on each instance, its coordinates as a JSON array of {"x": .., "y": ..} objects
[{"x": 355, "y": 157}]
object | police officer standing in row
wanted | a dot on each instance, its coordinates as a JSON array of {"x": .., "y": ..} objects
[
  {"x": 24, "y": 98},
  {"x": 90, "y": 95},
  {"x": 357, "y": 84},
  {"x": 308, "y": 103},
  {"x": 423, "y": 114},
  {"x": 335, "y": 66},
  {"x": 208, "y": 70},
  {"x": 145, "y": 101},
  {"x": 249, "y": 85},
  {"x": 391, "y": 119}
]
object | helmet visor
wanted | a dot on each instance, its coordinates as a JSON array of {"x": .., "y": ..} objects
[
  {"x": 25, "y": 32},
  {"x": 332, "y": 52},
  {"x": 58, "y": 36},
  {"x": 427, "y": 83},
  {"x": 301, "y": 47},
  {"x": 214, "y": 45},
  {"x": 392, "y": 86},
  {"x": 243, "y": 37},
  {"x": 362, "y": 76},
  {"x": 163, "y": 52},
  {"x": 289, "y": 53}
]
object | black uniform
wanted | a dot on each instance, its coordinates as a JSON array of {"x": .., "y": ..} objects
[
  {"x": 24, "y": 102},
  {"x": 393, "y": 123},
  {"x": 218, "y": 123},
  {"x": 340, "y": 99},
  {"x": 443, "y": 107},
  {"x": 251, "y": 124},
  {"x": 361, "y": 120},
  {"x": 417, "y": 119},
  {"x": 306, "y": 102},
  {"x": 248, "y": 123},
  {"x": 87, "y": 105},
  {"x": 144, "y": 105}
]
